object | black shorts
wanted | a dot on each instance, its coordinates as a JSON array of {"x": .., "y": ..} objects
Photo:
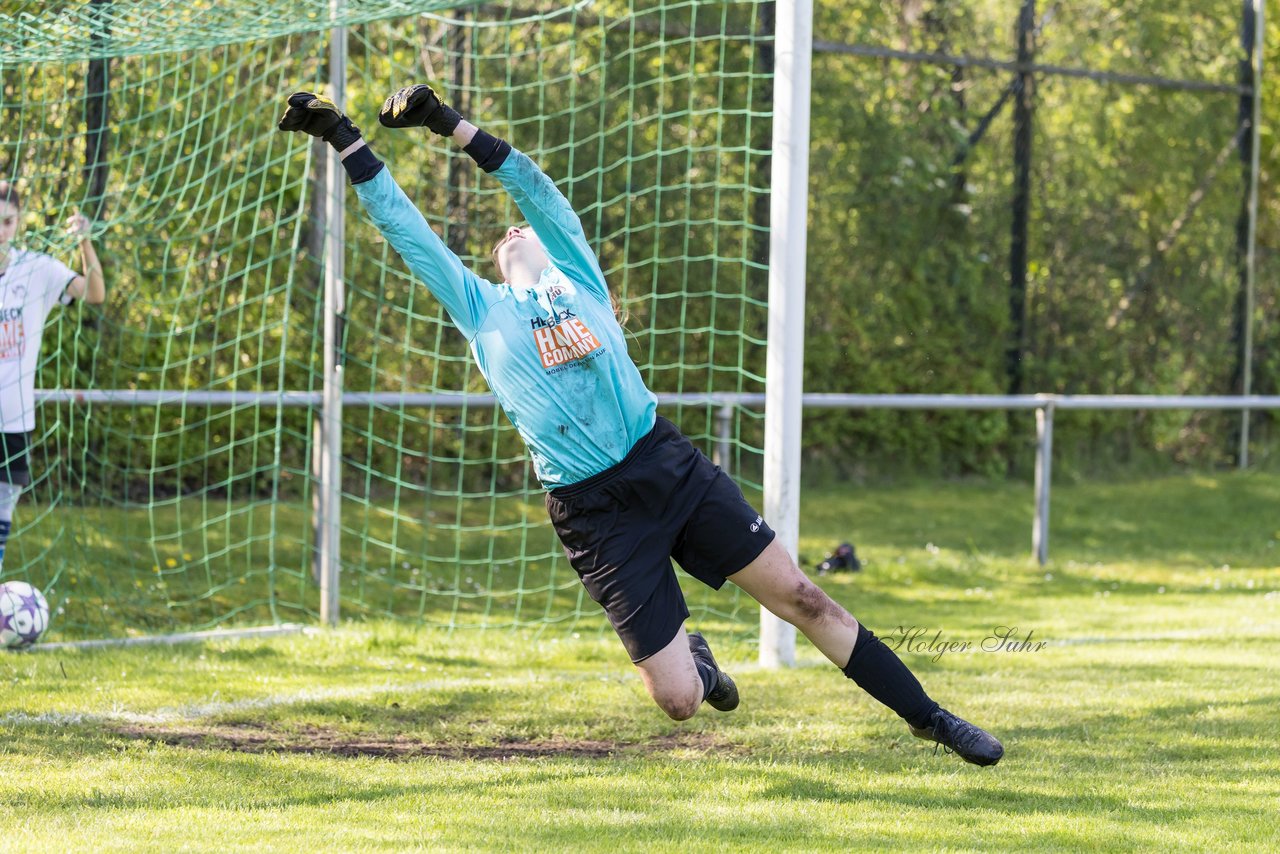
[
  {"x": 13, "y": 459},
  {"x": 621, "y": 528}
]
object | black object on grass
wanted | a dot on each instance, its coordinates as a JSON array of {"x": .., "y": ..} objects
[{"x": 843, "y": 558}]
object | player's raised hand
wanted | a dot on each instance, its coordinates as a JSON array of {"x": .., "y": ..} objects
[
  {"x": 419, "y": 106},
  {"x": 78, "y": 225},
  {"x": 316, "y": 115}
]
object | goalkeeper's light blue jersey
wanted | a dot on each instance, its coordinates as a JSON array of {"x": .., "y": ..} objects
[{"x": 554, "y": 354}]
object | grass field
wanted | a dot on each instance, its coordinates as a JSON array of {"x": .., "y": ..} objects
[{"x": 1148, "y": 721}]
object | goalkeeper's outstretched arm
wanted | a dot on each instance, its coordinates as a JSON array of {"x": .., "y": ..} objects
[
  {"x": 465, "y": 296},
  {"x": 547, "y": 210}
]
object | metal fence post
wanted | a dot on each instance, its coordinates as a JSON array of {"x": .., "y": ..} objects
[
  {"x": 1253, "y": 31},
  {"x": 1044, "y": 474}
]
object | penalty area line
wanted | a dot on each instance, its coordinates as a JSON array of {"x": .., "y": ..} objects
[
  {"x": 181, "y": 637},
  {"x": 1269, "y": 632},
  {"x": 199, "y": 711}
]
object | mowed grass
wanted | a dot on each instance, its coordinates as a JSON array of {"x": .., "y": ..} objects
[{"x": 1147, "y": 722}]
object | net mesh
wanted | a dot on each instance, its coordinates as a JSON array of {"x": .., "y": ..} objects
[{"x": 157, "y": 120}]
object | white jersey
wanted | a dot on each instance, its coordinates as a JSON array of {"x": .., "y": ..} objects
[{"x": 30, "y": 287}]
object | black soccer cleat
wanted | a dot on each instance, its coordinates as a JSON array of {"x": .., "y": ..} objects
[
  {"x": 971, "y": 743},
  {"x": 724, "y": 696}
]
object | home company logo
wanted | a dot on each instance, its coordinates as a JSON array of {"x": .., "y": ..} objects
[{"x": 564, "y": 342}]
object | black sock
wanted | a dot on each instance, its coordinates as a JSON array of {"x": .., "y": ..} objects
[
  {"x": 876, "y": 670},
  {"x": 707, "y": 673},
  {"x": 362, "y": 165}
]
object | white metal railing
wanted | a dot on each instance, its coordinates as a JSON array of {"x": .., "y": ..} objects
[
  {"x": 749, "y": 400},
  {"x": 1044, "y": 405}
]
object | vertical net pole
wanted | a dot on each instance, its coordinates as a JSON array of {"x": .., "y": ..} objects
[
  {"x": 330, "y": 486},
  {"x": 1251, "y": 238},
  {"x": 784, "y": 372}
]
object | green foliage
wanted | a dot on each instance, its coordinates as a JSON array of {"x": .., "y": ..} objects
[{"x": 1133, "y": 267}]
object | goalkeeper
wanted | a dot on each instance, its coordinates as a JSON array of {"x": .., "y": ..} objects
[{"x": 626, "y": 491}]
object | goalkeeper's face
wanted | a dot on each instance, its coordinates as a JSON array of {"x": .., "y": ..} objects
[
  {"x": 8, "y": 223},
  {"x": 520, "y": 257}
]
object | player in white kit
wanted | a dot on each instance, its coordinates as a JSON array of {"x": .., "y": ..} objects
[{"x": 32, "y": 284}]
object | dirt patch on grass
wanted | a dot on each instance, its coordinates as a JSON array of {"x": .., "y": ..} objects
[{"x": 244, "y": 738}]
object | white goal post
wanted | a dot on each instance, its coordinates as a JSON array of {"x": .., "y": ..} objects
[{"x": 788, "y": 238}]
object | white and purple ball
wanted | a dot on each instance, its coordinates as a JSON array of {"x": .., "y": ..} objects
[{"x": 24, "y": 614}]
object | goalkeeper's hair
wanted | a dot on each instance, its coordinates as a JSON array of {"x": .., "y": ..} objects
[
  {"x": 9, "y": 193},
  {"x": 621, "y": 310}
]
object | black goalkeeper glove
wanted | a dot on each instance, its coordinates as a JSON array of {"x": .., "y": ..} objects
[
  {"x": 318, "y": 116},
  {"x": 419, "y": 106}
]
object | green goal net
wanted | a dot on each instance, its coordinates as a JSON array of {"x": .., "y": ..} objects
[{"x": 174, "y": 453}]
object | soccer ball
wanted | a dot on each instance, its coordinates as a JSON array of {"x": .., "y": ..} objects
[{"x": 24, "y": 614}]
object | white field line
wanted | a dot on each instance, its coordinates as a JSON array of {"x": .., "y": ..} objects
[
  {"x": 929, "y": 645},
  {"x": 199, "y": 711},
  {"x": 182, "y": 637},
  {"x": 1261, "y": 631}
]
